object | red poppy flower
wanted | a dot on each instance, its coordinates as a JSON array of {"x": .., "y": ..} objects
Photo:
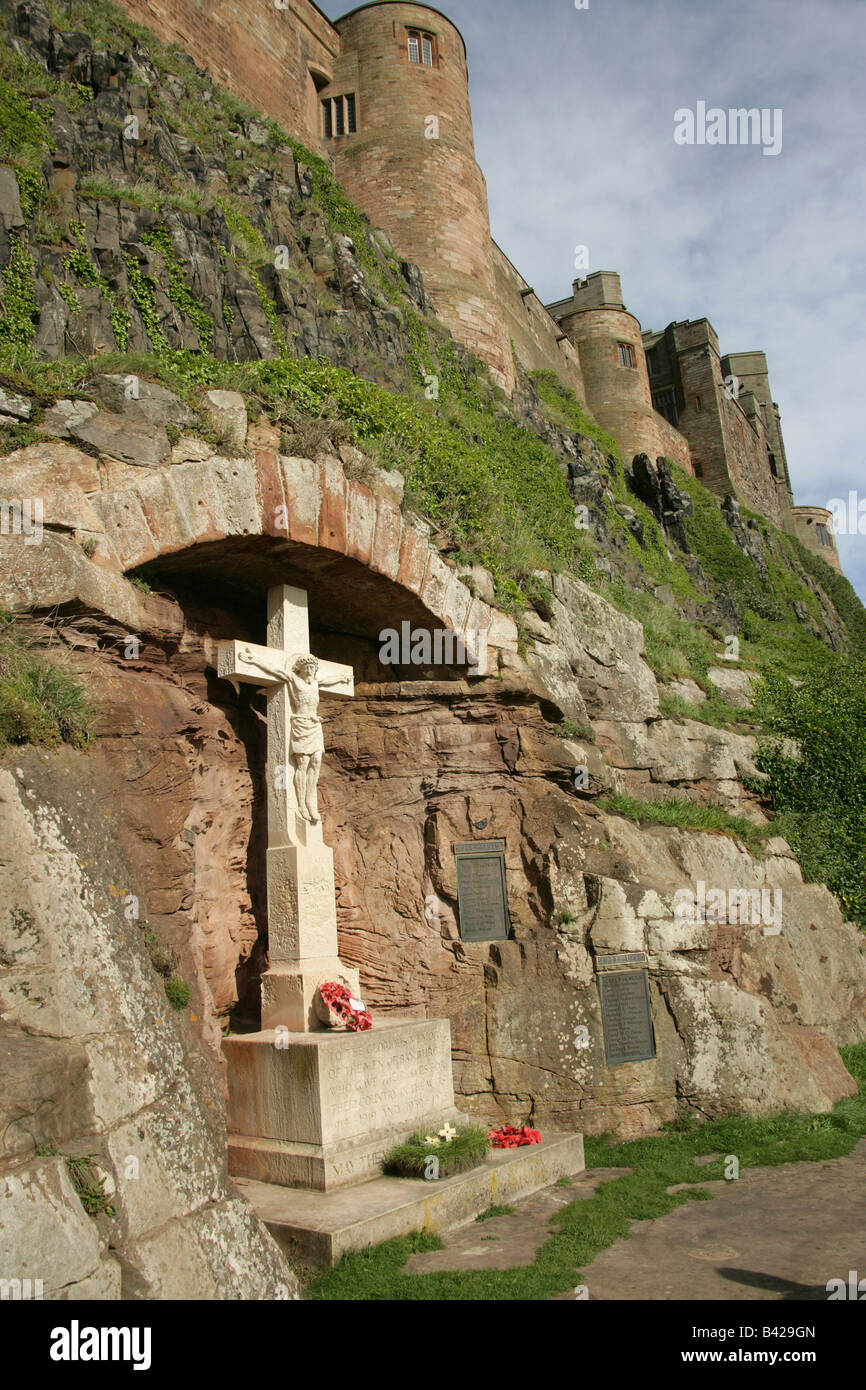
[
  {"x": 339, "y": 1002},
  {"x": 510, "y": 1137}
]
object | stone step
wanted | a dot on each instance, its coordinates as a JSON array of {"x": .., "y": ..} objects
[{"x": 314, "y": 1229}]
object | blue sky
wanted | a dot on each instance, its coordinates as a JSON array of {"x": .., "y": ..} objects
[{"x": 574, "y": 119}]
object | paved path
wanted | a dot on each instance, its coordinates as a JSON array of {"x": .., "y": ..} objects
[{"x": 774, "y": 1234}]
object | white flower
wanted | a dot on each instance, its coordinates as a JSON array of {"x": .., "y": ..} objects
[
  {"x": 447, "y": 1133},
  {"x": 428, "y": 1139}
]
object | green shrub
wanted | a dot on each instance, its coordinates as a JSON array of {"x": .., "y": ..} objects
[
  {"x": 689, "y": 815},
  {"x": 177, "y": 992},
  {"x": 40, "y": 702},
  {"x": 816, "y": 766},
  {"x": 17, "y": 297}
]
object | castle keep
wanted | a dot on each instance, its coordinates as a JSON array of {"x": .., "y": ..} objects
[{"x": 383, "y": 94}]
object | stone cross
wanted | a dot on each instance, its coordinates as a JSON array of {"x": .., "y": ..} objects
[
  {"x": 292, "y": 704},
  {"x": 302, "y": 916}
]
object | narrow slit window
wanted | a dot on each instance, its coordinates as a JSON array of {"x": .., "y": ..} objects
[
  {"x": 414, "y": 48},
  {"x": 698, "y": 403},
  {"x": 351, "y": 117},
  {"x": 327, "y": 119},
  {"x": 339, "y": 117},
  {"x": 427, "y": 50}
]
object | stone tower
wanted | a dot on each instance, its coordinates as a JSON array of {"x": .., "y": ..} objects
[
  {"x": 410, "y": 162},
  {"x": 813, "y": 526},
  {"x": 752, "y": 374},
  {"x": 613, "y": 364}
]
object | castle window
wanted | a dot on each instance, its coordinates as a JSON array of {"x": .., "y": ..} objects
[
  {"x": 339, "y": 116},
  {"x": 698, "y": 403},
  {"x": 665, "y": 402},
  {"x": 626, "y": 355},
  {"x": 421, "y": 48},
  {"x": 823, "y": 534},
  {"x": 699, "y": 469},
  {"x": 772, "y": 460}
]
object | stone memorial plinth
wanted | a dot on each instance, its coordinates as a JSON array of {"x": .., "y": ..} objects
[
  {"x": 308, "y": 1106},
  {"x": 319, "y": 1110}
]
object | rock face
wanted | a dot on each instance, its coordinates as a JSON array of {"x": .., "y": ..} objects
[
  {"x": 745, "y": 1018},
  {"x": 116, "y": 1078},
  {"x": 249, "y": 285}
]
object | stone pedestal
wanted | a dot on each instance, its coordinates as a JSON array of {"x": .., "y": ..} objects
[
  {"x": 319, "y": 1110},
  {"x": 302, "y": 920}
]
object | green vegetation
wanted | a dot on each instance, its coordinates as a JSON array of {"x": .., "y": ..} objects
[
  {"x": 78, "y": 263},
  {"x": 713, "y": 711},
  {"x": 689, "y": 815},
  {"x": 89, "y": 1183},
  {"x": 177, "y": 289},
  {"x": 496, "y": 1211},
  {"x": 582, "y": 1229},
  {"x": 816, "y": 765},
  {"x": 177, "y": 992},
  {"x": 469, "y": 1148},
  {"x": 565, "y": 409},
  {"x": 18, "y": 307},
  {"x": 162, "y": 958},
  {"x": 40, "y": 702},
  {"x": 86, "y": 1178}
]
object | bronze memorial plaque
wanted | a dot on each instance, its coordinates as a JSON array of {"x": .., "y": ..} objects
[
  {"x": 481, "y": 896},
  {"x": 626, "y": 1016}
]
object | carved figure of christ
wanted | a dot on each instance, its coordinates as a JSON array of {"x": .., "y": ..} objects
[{"x": 292, "y": 678}]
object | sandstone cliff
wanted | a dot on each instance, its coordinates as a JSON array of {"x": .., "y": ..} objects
[{"x": 168, "y": 511}]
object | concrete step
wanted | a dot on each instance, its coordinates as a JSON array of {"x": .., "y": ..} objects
[{"x": 314, "y": 1229}]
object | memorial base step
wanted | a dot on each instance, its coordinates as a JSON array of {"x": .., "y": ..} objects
[
  {"x": 320, "y": 1109},
  {"x": 314, "y": 1229}
]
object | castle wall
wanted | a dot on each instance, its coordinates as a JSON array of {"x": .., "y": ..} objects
[
  {"x": 750, "y": 369},
  {"x": 262, "y": 54},
  {"x": 673, "y": 445},
  {"x": 726, "y": 435},
  {"x": 428, "y": 193},
  {"x": 534, "y": 333}
]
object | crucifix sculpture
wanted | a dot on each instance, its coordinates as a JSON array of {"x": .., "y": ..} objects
[
  {"x": 292, "y": 677},
  {"x": 302, "y": 917}
]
